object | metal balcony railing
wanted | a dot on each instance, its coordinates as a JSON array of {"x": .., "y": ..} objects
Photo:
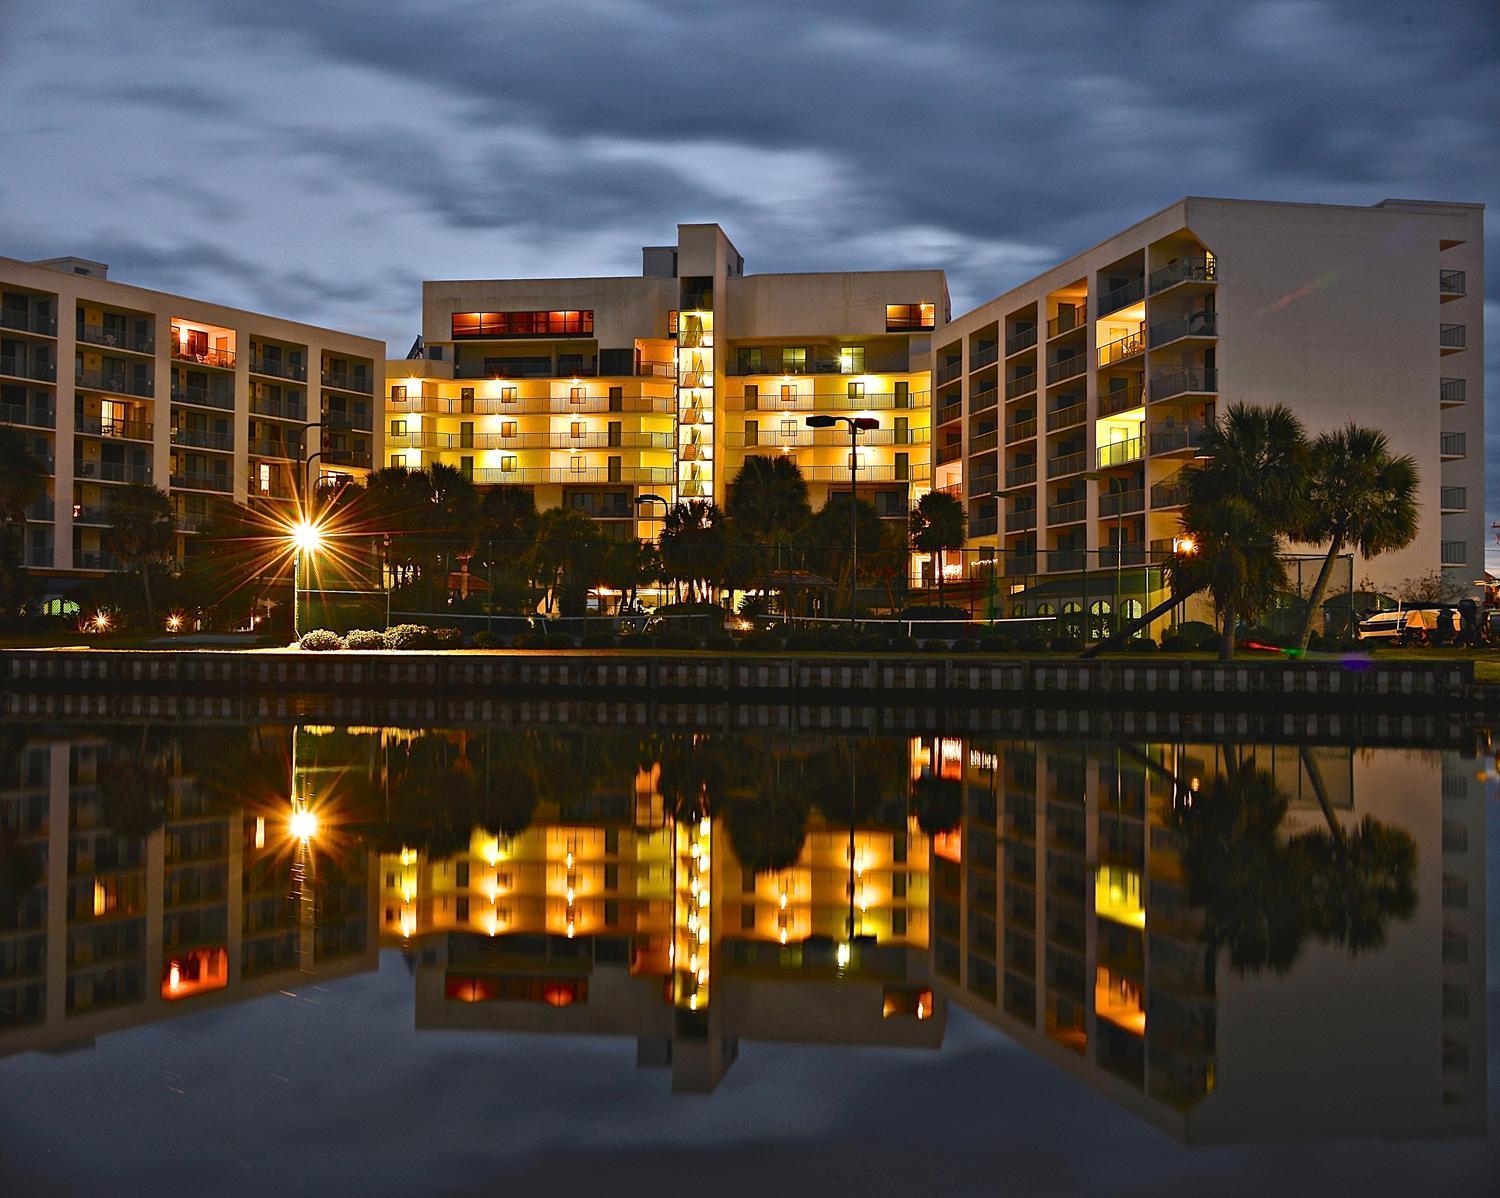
[
  {"x": 1452, "y": 282},
  {"x": 1068, "y": 318},
  {"x": 1021, "y": 384},
  {"x": 986, "y": 355},
  {"x": 361, "y": 384},
  {"x": 203, "y": 396},
  {"x": 1185, "y": 270},
  {"x": 111, "y": 472},
  {"x": 1068, "y": 417},
  {"x": 1020, "y": 430},
  {"x": 1453, "y": 336},
  {"x": 202, "y": 438},
  {"x": 279, "y": 409},
  {"x": 93, "y": 334},
  {"x": 271, "y": 447},
  {"x": 1172, "y": 438},
  {"x": 589, "y": 474},
  {"x": 1184, "y": 382},
  {"x": 1453, "y": 445},
  {"x": 1066, "y": 368},
  {"x": 1122, "y": 348},
  {"x": 198, "y": 480},
  {"x": 1017, "y": 476},
  {"x": 41, "y": 511},
  {"x": 84, "y": 514},
  {"x": 22, "y": 367},
  {"x": 1453, "y": 499},
  {"x": 949, "y": 371},
  {"x": 1189, "y": 324},
  {"x": 1120, "y": 503},
  {"x": 1070, "y": 512},
  {"x": 222, "y": 359},
  {"x": 1452, "y": 392},
  {"x": 984, "y": 442},
  {"x": 949, "y": 453},
  {"x": 28, "y": 322},
  {"x": 802, "y": 401},
  {"x": 115, "y": 382},
  {"x": 1118, "y": 453},
  {"x": 1122, "y": 399},
  {"x": 1127, "y": 553},
  {"x": 1022, "y": 339},
  {"x": 1170, "y": 492},
  {"x": 1122, "y": 296},
  {"x": 93, "y": 560},
  {"x": 984, "y": 526},
  {"x": 125, "y": 430},
  {"x": 348, "y": 456},
  {"x": 980, "y": 486},
  {"x": 1066, "y": 559},
  {"x": 1066, "y": 463},
  {"x": 277, "y": 368},
  {"x": 31, "y": 415},
  {"x": 1021, "y": 520}
]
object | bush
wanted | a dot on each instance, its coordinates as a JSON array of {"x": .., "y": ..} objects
[
  {"x": 1209, "y": 643},
  {"x": 409, "y": 636},
  {"x": 671, "y": 639},
  {"x": 598, "y": 640},
  {"x": 320, "y": 640},
  {"x": 488, "y": 640},
  {"x": 763, "y": 641},
  {"x": 801, "y": 640},
  {"x": 364, "y": 638},
  {"x": 1066, "y": 644},
  {"x": 1141, "y": 644},
  {"x": 964, "y": 645},
  {"x": 997, "y": 642},
  {"x": 447, "y": 638},
  {"x": 720, "y": 642},
  {"x": 1179, "y": 644},
  {"x": 530, "y": 640},
  {"x": 558, "y": 640},
  {"x": 934, "y": 645},
  {"x": 872, "y": 642},
  {"x": 1031, "y": 642}
]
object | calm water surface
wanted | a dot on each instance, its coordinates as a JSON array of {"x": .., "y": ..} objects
[{"x": 382, "y": 960}]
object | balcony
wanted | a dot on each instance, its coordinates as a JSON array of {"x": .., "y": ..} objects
[
  {"x": 1016, "y": 342},
  {"x": 1122, "y": 348},
  {"x": 1118, "y": 453},
  {"x": 1452, "y": 446},
  {"x": 1185, "y": 270},
  {"x": 1184, "y": 382},
  {"x": 660, "y": 475},
  {"x": 986, "y": 356},
  {"x": 984, "y": 526},
  {"x": 31, "y": 415},
  {"x": 980, "y": 486},
  {"x": 950, "y": 452},
  {"x": 1177, "y": 437},
  {"x": 279, "y": 409},
  {"x": 1066, "y": 559},
  {"x": 1453, "y": 499},
  {"x": 83, "y": 514},
  {"x": 1189, "y": 324},
  {"x": 192, "y": 521},
  {"x": 1170, "y": 492},
  {"x": 1068, "y": 318},
  {"x": 138, "y": 343},
  {"x": 984, "y": 442},
  {"x": 359, "y": 384},
  {"x": 949, "y": 371},
  {"x": 1017, "y": 476},
  {"x": 840, "y": 365},
  {"x": 1452, "y": 392},
  {"x": 1066, "y": 368},
  {"x": 1021, "y": 384},
  {"x": 1020, "y": 430},
  {"x": 111, "y": 472},
  {"x": 1070, "y": 512},
  {"x": 1122, "y": 296},
  {"x": 204, "y": 397},
  {"x": 40, "y": 512},
  {"x": 124, "y": 430},
  {"x": 114, "y": 382},
  {"x": 766, "y": 436},
  {"x": 197, "y": 480},
  {"x": 948, "y": 413},
  {"x": 1019, "y": 563},
  {"x": 1452, "y": 283},
  {"x": 1453, "y": 553},
  {"x": 1122, "y": 503},
  {"x": 1123, "y": 399},
  {"x": 1127, "y": 553},
  {"x": 276, "y": 368},
  {"x": 21, "y": 367},
  {"x": 1066, "y": 463},
  {"x": 1021, "y": 520},
  {"x": 1068, "y": 417},
  {"x": 91, "y": 559},
  {"x": 202, "y": 438},
  {"x": 914, "y": 472},
  {"x": 983, "y": 401},
  {"x": 1453, "y": 337},
  {"x": 220, "y": 359},
  {"x": 348, "y": 456},
  {"x": 805, "y": 402},
  {"x": 28, "y": 322}
]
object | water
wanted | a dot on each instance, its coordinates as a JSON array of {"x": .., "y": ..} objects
[{"x": 385, "y": 960}]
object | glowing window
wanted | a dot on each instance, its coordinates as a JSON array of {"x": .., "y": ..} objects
[
  {"x": 538, "y": 323},
  {"x": 910, "y": 318},
  {"x": 508, "y": 428}
]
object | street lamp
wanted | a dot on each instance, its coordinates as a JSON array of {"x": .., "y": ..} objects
[
  {"x": 306, "y": 538},
  {"x": 857, "y": 425}
]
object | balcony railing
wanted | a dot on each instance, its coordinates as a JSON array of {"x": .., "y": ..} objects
[
  {"x": 1021, "y": 384},
  {"x": 1177, "y": 437},
  {"x": 84, "y": 514},
  {"x": 981, "y": 485},
  {"x": 1020, "y": 430},
  {"x": 1066, "y": 559},
  {"x": 984, "y": 526},
  {"x": 1189, "y": 324},
  {"x": 1185, "y": 270},
  {"x": 1066, "y": 368},
  {"x": 769, "y": 435},
  {"x": 986, "y": 356},
  {"x": 1170, "y": 492},
  {"x": 348, "y": 456},
  {"x": 360, "y": 384},
  {"x": 1016, "y": 342},
  {"x": 1118, "y": 453},
  {"x": 93, "y": 334},
  {"x": 1070, "y": 512},
  {"x": 1068, "y": 318},
  {"x": 1127, "y": 553},
  {"x": 40, "y": 511},
  {"x": 201, "y": 438},
  {"x": 1453, "y": 445},
  {"x": 202, "y": 396},
  {"x": 93, "y": 560},
  {"x": 28, "y": 322},
  {"x": 197, "y": 480},
  {"x": 270, "y": 447},
  {"x": 223, "y": 359},
  {"x": 1122, "y": 503},
  {"x": 1184, "y": 382},
  {"x": 21, "y": 367},
  {"x": 279, "y": 409},
  {"x": 771, "y": 401},
  {"x": 1018, "y": 476},
  {"x": 1453, "y": 499},
  {"x": 1020, "y": 520},
  {"x": 1066, "y": 463},
  {"x": 949, "y": 453},
  {"x": 276, "y": 368},
  {"x": 29, "y": 415},
  {"x": 915, "y": 472},
  {"x": 1121, "y": 400},
  {"x": 1452, "y": 282},
  {"x": 1453, "y": 336},
  {"x": 1452, "y": 392},
  {"x": 191, "y": 521},
  {"x": 809, "y": 366},
  {"x": 125, "y": 430},
  {"x": 1121, "y": 348},
  {"x": 111, "y": 472},
  {"x": 591, "y": 474},
  {"x": 949, "y": 371},
  {"x": 949, "y": 412},
  {"x": 115, "y": 382},
  {"x": 1122, "y": 296},
  {"x": 1068, "y": 417}
]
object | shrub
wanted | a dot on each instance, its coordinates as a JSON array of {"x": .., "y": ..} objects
[
  {"x": 672, "y": 639},
  {"x": 558, "y": 640},
  {"x": 1179, "y": 644},
  {"x": 1032, "y": 642},
  {"x": 319, "y": 640},
  {"x": 1141, "y": 644},
  {"x": 1066, "y": 644},
  {"x": 760, "y": 642},
  {"x": 447, "y": 638},
  {"x": 364, "y": 638},
  {"x": 598, "y": 640},
  {"x": 965, "y": 645},
  {"x": 1209, "y": 643},
  {"x": 409, "y": 636},
  {"x": 800, "y": 640},
  {"x": 872, "y": 642},
  {"x": 718, "y": 641},
  {"x": 997, "y": 642},
  {"x": 488, "y": 640},
  {"x": 530, "y": 640},
  {"x": 934, "y": 645}
]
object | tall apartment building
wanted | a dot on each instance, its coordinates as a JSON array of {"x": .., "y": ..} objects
[
  {"x": 1067, "y": 408},
  {"x": 201, "y": 400},
  {"x": 593, "y": 392}
]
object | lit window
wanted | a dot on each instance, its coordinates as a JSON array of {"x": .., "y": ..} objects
[
  {"x": 398, "y": 393},
  {"x": 577, "y": 429},
  {"x": 575, "y": 394},
  {"x": 789, "y": 429},
  {"x": 793, "y": 359},
  {"x": 508, "y": 428},
  {"x": 856, "y": 390},
  {"x": 540, "y": 323},
  {"x": 575, "y": 463},
  {"x": 507, "y": 395},
  {"x": 508, "y": 462},
  {"x": 264, "y": 470},
  {"x": 398, "y": 428},
  {"x": 788, "y": 393},
  {"x": 907, "y": 318},
  {"x": 852, "y": 359}
]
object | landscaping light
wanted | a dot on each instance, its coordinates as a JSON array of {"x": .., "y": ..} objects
[
  {"x": 101, "y": 622},
  {"x": 174, "y": 623}
]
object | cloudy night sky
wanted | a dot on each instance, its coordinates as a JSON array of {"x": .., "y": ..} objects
[{"x": 319, "y": 158}]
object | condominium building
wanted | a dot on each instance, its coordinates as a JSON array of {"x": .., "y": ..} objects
[
  {"x": 1068, "y": 408},
  {"x": 594, "y": 392},
  {"x": 200, "y": 400}
]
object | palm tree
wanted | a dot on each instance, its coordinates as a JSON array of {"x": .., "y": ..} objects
[
  {"x": 23, "y": 476},
  {"x": 828, "y": 533},
  {"x": 140, "y": 530},
  {"x": 1358, "y": 494},
  {"x": 937, "y": 524},
  {"x": 767, "y": 501},
  {"x": 938, "y": 803},
  {"x": 568, "y": 548},
  {"x": 692, "y": 542},
  {"x": 1237, "y": 560}
]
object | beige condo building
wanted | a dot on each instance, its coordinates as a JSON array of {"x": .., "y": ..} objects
[
  {"x": 1067, "y": 409},
  {"x": 593, "y": 392},
  {"x": 203, "y": 401}
]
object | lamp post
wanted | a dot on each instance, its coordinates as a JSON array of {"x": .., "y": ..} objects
[
  {"x": 306, "y": 538},
  {"x": 857, "y": 425}
]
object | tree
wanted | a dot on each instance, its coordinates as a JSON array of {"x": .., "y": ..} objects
[
  {"x": 937, "y": 524},
  {"x": 1359, "y": 495},
  {"x": 938, "y": 803},
  {"x": 767, "y": 501},
  {"x": 1237, "y": 559},
  {"x": 693, "y": 543},
  {"x": 23, "y": 481},
  {"x": 567, "y": 551},
  {"x": 629, "y": 565},
  {"x": 507, "y": 522},
  {"x": 887, "y": 564},
  {"x": 140, "y": 531},
  {"x": 827, "y": 533}
]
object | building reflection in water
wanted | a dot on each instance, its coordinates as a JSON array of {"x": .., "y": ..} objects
[{"x": 1235, "y": 942}]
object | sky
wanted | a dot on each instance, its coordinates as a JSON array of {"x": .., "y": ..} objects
[{"x": 318, "y": 158}]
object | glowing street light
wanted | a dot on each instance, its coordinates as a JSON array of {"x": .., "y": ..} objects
[
  {"x": 856, "y": 425},
  {"x": 303, "y": 824},
  {"x": 306, "y": 539},
  {"x": 1185, "y": 545}
]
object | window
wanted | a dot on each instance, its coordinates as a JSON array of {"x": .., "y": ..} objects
[
  {"x": 1455, "y": 553},
  {"x": 398, "y": 393},
  {"x": 398, "y": 428},
  {"x": 461, "y": 911},
  {"x": 507, "y": 462},
  {"x": 461, "y": 874},
  {"x": 788, "y": 393},
  {"x": 398, "y": 462},
  {"x": 856, "y": 390},
  {"x": 575, "y": 395},
  {"x": 672, "y": 323},
  {"x": 507, "y": 395},
  {"x": 577, "y": 428},
  {"x": 539, "y": 323},
  {"x": 508, "y": 428},
  {"x": 910, "y": 318},
  {"x": 575, "y": 463},
  {"x": 793, "y": 359},
  {"x": 852, "y": 359}
]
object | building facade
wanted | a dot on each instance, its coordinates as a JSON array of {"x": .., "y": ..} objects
[
  {"x": 1067, "y": 409},
  {"x": 203, "y": 401},
  {"x": 594, "y": 392}
]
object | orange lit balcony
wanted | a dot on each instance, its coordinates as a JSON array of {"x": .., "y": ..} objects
[{"x": 195, "y": 972}]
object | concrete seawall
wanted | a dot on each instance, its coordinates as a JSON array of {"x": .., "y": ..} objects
[{"x": 959, "y": 680}]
